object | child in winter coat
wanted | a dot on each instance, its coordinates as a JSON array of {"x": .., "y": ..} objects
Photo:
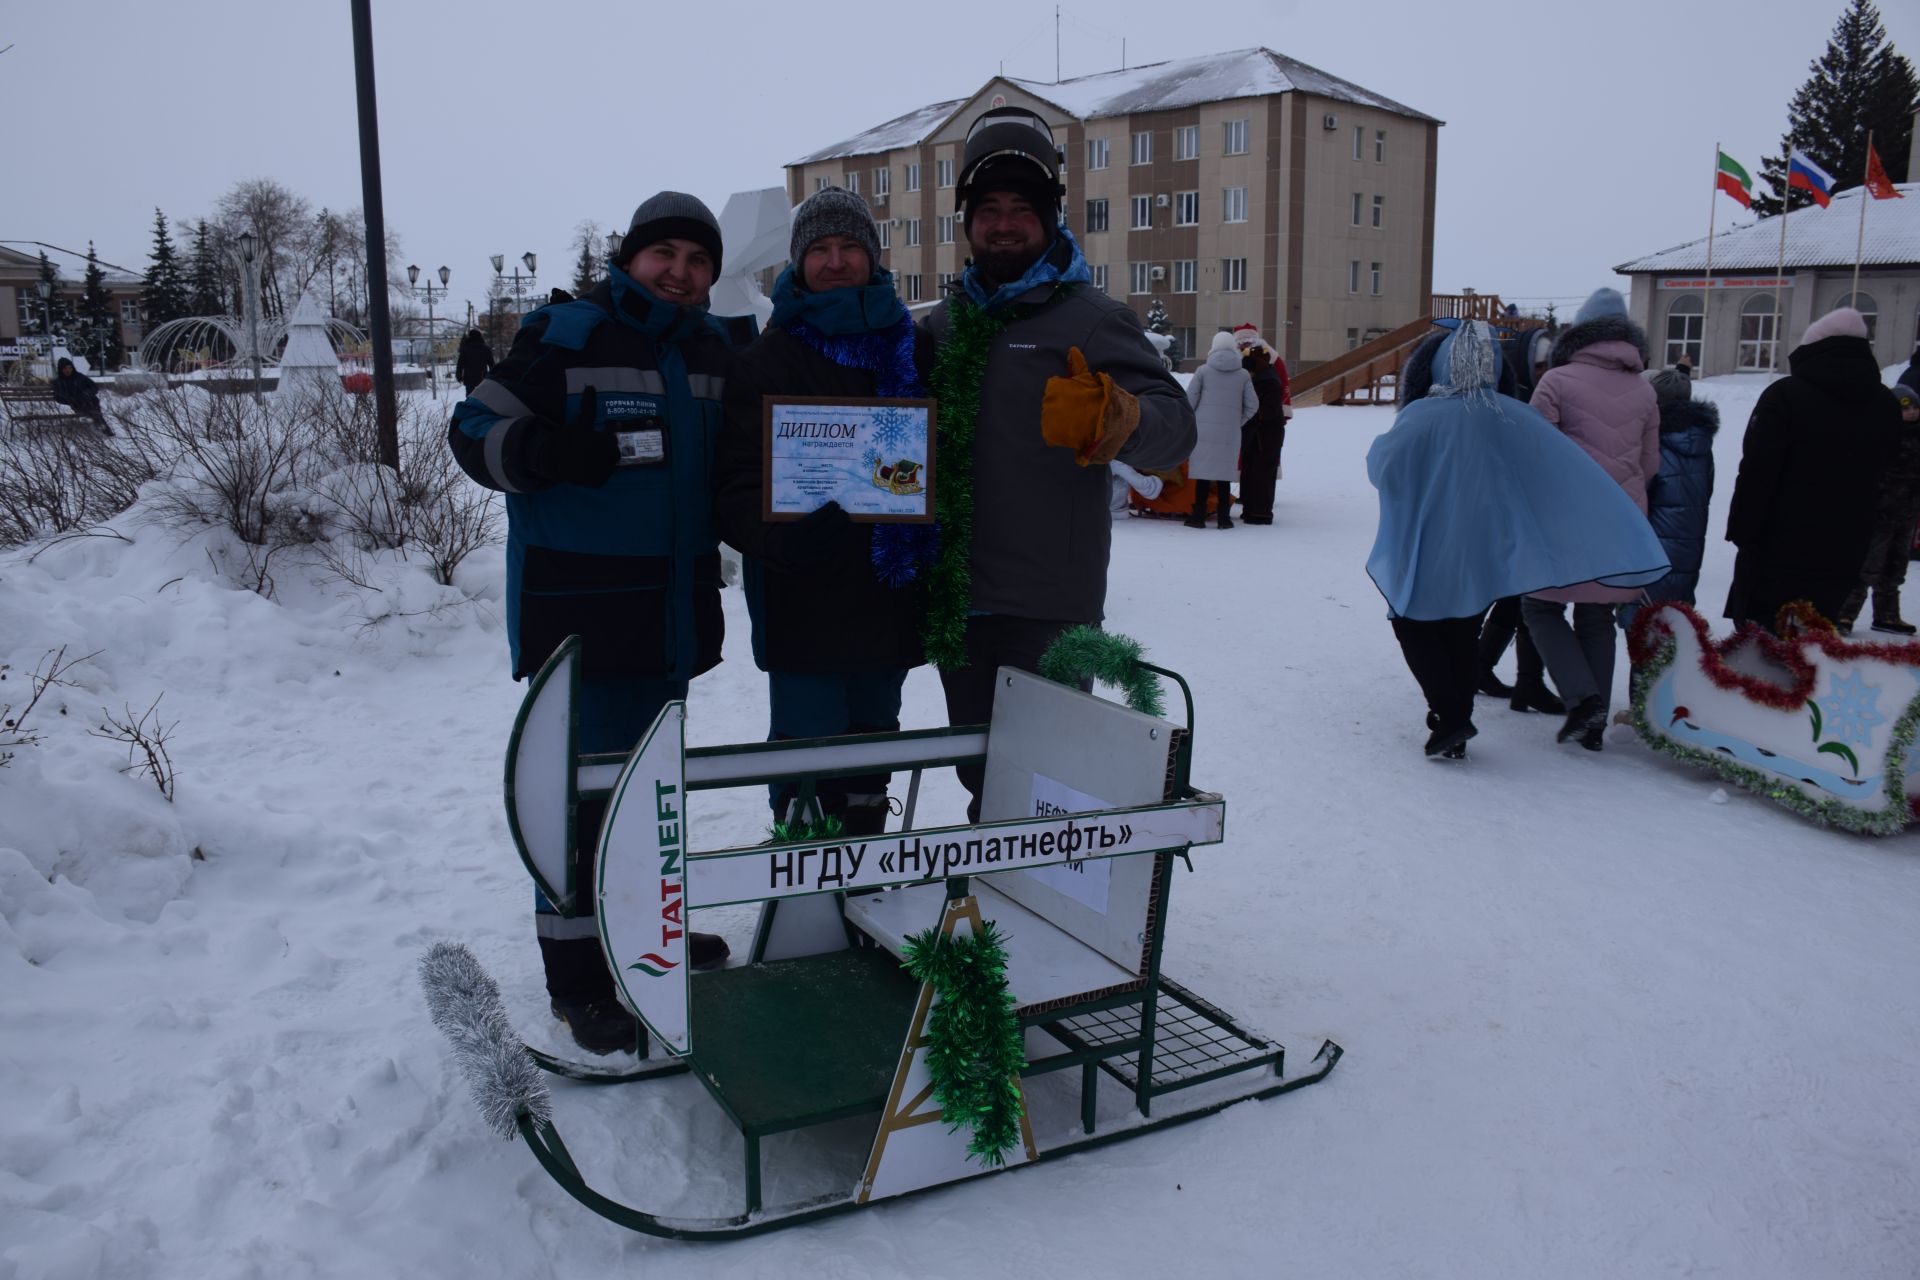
[
  {"x": 1223, "y": 398},
  {"x": 1678, "y": 494},
  {"x": 1894, "y": 516}
]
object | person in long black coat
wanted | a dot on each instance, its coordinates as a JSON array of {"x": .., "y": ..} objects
[
  {"x": 76, "y": 390},
  {"x": 474, "y": 362},
  {"x": 1810, "y": 465},
  {"x": 1262, "y": 436}
]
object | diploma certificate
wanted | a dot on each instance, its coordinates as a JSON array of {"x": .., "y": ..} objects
[{"x": 874, "y": 457}]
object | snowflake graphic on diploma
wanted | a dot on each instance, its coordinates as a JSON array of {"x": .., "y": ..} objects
[
  {"x": 1852, "y": 710},
  {"x": 896, "y": 431}
]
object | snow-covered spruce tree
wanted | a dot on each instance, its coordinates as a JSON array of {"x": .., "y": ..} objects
[
  {"x": 163, "y": 295},
  {"x": 1860, "y": 83},
  {"x": 1157, "y": 322},
  {"x": 203, "y": 275},
  {"x": 588, "y": 265},
  {"x": 96, "y": 308}
]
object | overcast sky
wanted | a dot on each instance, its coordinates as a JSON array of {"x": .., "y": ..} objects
[{"x": 1577, "y": 135}]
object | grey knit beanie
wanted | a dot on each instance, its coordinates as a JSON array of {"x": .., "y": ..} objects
[
  {"x": 1671, "y": 384},
  {"x": 1600, "y": 304},
  {"x": 671, "y": 215},
  {"x": 832, "y": 211}
]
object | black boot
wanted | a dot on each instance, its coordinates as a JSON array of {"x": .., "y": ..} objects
[
  {"x": 1533, "y": 695},
  {"x": 600, "y": 1026},
  {"x": 707, "y": 950},
  {"x": 1445, "y": 738},
  {"x": 1491, "y": 684},
  {"x": 1589, "y": 715}
]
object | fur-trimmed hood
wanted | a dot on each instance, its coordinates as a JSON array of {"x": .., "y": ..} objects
[
  {"x": 1577, "y": 338},
  {"x": 1689, "y": 415},
  {"x": 1416, "y": 375}
]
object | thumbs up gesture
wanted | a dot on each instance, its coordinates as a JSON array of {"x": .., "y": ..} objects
[{"x": 1087, "y": 413}]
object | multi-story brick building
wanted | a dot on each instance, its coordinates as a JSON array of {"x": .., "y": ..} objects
[
  {"x": 21, "y": 310},
  {"x": 1237, "y": 187}
]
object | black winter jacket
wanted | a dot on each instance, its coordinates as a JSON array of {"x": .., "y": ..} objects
[
  {"x": 1810, "y": 467},
  {"x": 833, "y": 615},
  {"x": 1678, "y": 494}
]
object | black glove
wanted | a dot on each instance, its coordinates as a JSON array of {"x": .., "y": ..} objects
[
  {"x": 802, "y": 545},
  {"x": 578, "y": 454}
]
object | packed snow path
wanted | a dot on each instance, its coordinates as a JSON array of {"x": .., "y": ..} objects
[{"x": 1602, "y": 1017}]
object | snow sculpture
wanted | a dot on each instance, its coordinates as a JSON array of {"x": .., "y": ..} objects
[
  {"x": 308, "y": 364},
  {"x": 755, "y": 226}
]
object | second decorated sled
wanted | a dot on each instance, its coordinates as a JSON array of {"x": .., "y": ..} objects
[{"x": 919, "y": 982}]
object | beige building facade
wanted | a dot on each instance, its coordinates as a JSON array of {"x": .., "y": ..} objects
[
  {"x": 23, "y": 314},
  {"x": 1241, "y": 187}
]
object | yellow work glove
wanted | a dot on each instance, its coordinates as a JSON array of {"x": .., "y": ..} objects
[{"x": 1086, "y": 413}]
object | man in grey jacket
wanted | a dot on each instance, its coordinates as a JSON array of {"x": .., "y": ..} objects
[{"x": 1042, "y": 381}]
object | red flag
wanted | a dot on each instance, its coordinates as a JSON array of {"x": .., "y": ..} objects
[{"x": 1878, "y": 184}]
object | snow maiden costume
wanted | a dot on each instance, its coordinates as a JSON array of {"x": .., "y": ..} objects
[{"x": 1481, "y": 497}]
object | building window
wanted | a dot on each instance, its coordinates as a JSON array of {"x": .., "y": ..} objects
[
  {"x": 1139, "y": 278},
  {"x": 943, "y": 173},
  {"x": 1373, "y": 274},
  {"x": 945, "y": 229},
  {"x": 853, "y": 183},
  {"x": 1359, "y": 202},
  {"x": 1359, "y": 142},
  {"x": 130, "y": 312},
  {"x": 1184, "y": 340},
  {"x": 1186, "y": 276},
  {"x": 1379, "y": 211},
  {"x": 913, "y": 232},
  {"x": 820, "y": 184},
  {"x": 1142, "y": 213},
  {"x": 1353, "y": 339},
  {"x": 1353, "y": 276},
  {"x": 1099, "y": 273},
  {"x": 885, "y": 227},
  {"x": 1379, "y": 146},
  {"x": 1098, "y": 150},
  {"x": 1236, "y": 138},
  {"x": 29, "y": 305},
  {"x": 1686, "y": 319},
  {"x": 882, "y": 183},
  {"x": 1233, "y": 275},
  {"x": 1097, "y": 215},
  {"x": 942, "y": 280},
  {"x": 1142, "y": 149},
  {"x": 1233, "y": 204},
  {"x": 1863, "y": 303},
  {"x": 1186, "y": 142},
  {"x": 1186, "y": 208},
  {"x": 1756, "y": 333},
  {"x": 912, "y": 176}
]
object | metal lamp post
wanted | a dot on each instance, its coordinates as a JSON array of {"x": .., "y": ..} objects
[
  {"x": 45, "y": 290},
  {"x": 250, "y": 279},
  {"x": 413, "y": 278},
  {"x": 519, "y": 305}
]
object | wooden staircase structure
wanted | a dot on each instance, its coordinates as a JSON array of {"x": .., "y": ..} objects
[{"x": 1370, "y": 372}]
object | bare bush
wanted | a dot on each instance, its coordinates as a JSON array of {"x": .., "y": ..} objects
[
  {"x": 145, "y": 737},
  {"x": 56, "y": 477},
  {"x": 51, "y": 670}
]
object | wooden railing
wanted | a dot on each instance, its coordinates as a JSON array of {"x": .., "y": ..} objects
[{"x": 1360, "y": 369}]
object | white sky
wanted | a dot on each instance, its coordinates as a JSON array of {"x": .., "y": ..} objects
[{"x": 1577, "y": 136}]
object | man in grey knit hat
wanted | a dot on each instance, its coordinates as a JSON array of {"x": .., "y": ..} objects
[{"x": 598, "y": 426}]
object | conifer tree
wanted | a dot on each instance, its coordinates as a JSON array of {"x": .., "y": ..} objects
[
  {"x": 96, "y": 308},
  {"x": 163, "y": 295},
  {"x": 203, "y": 275},
  {"x": 588, "y": 267},
  {"x": 54, "y": 316},
  {"x": 1860, "y": 83}
]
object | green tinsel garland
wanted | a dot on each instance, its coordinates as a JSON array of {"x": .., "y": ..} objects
[
  {"x": 975, "y": 1048},
  {"x": 794, "y": 832},
  {"x": 1083, "y": 652},
  {"x": 1889, "y": 821}
]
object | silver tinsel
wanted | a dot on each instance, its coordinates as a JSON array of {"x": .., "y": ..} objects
[{"x": 465, "y": 1004}]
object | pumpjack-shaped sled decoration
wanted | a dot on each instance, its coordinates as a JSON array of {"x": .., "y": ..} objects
[
  {"x": 1087, "y": 805},
  {"x": 1814, "y": 722}
]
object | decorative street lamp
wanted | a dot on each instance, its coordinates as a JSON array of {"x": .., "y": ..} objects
[
  {"x": 45, "y": 289},
  {"x": 250, "y": 278},
  {"x": 413, "y": 278},
  {"x": 499, "y": 260}
]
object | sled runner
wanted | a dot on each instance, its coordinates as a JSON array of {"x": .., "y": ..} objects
[
  {"x": 1814, "y": 722},
  {"x": 1059, "y": 896}
]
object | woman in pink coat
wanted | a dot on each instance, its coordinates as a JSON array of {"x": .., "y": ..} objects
[{"x": 1594, "y": 393}]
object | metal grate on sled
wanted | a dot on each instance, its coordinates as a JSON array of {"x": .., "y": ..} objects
[{"x": 1193, "y": 1041}]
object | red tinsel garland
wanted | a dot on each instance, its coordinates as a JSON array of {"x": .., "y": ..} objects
[{"x": 1650, "y": 629}]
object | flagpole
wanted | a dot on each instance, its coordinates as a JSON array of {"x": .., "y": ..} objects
[
  {"x": 1860, "y": 241},
  {"x": 1706, "y": 307},
  {"x": 1780, "y": 270}
]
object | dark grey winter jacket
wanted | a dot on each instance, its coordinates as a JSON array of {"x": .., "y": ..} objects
[{"x": 1041, "y": 528}]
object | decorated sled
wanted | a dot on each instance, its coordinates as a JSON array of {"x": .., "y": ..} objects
[
  {"x": 924, "y": 983},
  {"x": 1814, "y": 722}
]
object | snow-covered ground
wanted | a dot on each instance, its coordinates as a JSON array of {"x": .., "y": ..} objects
[{"x": 1602, "y": 1017}]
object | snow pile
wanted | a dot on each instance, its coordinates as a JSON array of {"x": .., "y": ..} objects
[{"x": 1602, "y": 1016}]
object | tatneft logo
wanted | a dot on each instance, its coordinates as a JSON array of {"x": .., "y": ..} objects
[
  {"x": 672, "y": 888},
  {"x": 1023, "y": 346}
]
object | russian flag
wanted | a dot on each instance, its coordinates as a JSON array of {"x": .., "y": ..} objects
[{"x": 1810, "y": 178}]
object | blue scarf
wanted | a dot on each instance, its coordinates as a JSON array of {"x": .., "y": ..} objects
[
  {"x": 1045, "y": 271},
  {"x": 865, "y": 328}
]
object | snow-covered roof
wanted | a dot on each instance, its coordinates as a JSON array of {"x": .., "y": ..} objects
[
  {"x": 1816, "y": 237},
  {"x": 71, "y": 266},
  {"x": 1158, "y": 86},
  {"x": 1216, "y": 77},
  {"x": 901, "y": 131}
]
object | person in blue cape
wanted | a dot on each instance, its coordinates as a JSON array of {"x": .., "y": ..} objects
[
  {"x": 836, "y": 606},
  {"x": 1481, "y": 498}
]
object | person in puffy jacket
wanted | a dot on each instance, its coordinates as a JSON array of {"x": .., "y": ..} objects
[
  {"x": 1677, "y": 497},
  {"x": 1223, "y": 399},
  {"x": 1810, "y": 465},
  {"x": 1594, "y": 393},
  {"x": 76, "y": 390},
  {"x": 1265, "y": 433},
  {"x": 1893, "y": 522}
]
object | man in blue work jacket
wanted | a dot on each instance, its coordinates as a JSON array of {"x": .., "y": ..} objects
[{"x": 599, "y": 426}]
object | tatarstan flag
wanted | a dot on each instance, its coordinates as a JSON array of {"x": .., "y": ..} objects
[
  {"x": 1733, "y": 180},
  {"x": 1878, "y": 184}
]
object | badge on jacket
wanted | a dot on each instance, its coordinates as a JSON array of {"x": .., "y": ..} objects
[{"x": 638, "y": 428}]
